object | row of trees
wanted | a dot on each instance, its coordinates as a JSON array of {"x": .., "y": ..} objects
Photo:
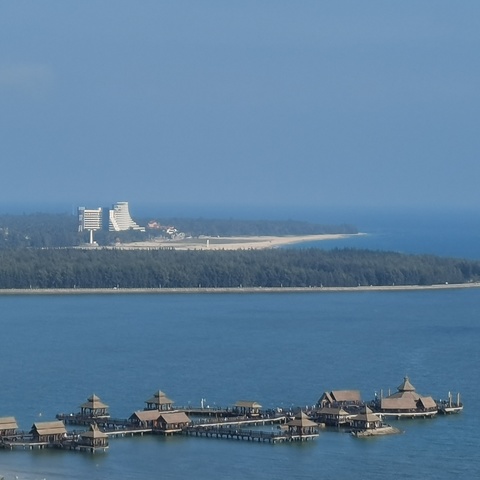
[{"x": 106, "y": 268}]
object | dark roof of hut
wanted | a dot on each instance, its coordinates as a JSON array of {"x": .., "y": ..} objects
[
  {"x": 94, "y": 432},
  {"x": 301, "y": 420},
  {"x": 175, "y": 417},
  {"x": 406, "y": 386},
  {"x": 159, "y": 398},
  {"x": 8, "y": 423},
  {"x": 49, "y": 428},
  {"x": 93, "y": 402},
  {"x": 367, "y": 416},
  {"x": 346, "y": 395},
  {"x": 145, "y": 415}
]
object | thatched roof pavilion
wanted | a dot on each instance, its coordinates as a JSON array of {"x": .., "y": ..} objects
[
  {"x": 337, "y": 398},
  {"x": 94, "y": 407},
  {"x": 8, "y": 426},
  {"x": 407, "y": 402},
  {"x": 159, "y": 401},
  {"x": 366, "y": 420},
  {"x": 48, "y": 431},
  {"x": 94, "y": 438},
  {"x": 302, "y": 425}
]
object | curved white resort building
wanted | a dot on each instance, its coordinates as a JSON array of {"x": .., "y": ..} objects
[{"x": 120, "y": 219}]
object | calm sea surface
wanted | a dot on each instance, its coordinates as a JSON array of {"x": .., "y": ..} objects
[{"x": 278, "y": 349}]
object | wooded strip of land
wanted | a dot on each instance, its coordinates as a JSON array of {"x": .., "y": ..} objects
[{"x": 110, "y": 268}]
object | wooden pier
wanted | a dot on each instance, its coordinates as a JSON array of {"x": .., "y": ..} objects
[{"x": 230, "y": 433}]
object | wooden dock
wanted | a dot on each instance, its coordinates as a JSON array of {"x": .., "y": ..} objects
[{"x": 230, "y": 433}]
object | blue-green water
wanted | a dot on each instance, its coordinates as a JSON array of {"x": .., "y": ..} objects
[
  {"x": 281, "y": 350},
  {"x": 278, "y": 349}
]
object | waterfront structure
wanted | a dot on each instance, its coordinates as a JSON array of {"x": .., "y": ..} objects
[
  {"x": 366, "y": 420},
  {"x": 332, "y": 416},
  {"x": 48, "y": 432},
  {"x": 302, "y": 426},
  {"x": 8, "y": 426},
  {"x": 145, "y": 418},
  {"x": 93, "y": 439},
  {"x": 172, "y": 422},
  {"x": 406, "y": 402},
  {"x": 120, "y": 219},
  {"x": 94, "y": 407},
  {"x": 159, "y": 401},
  {"x": 247, "y": 408},
  {"x": 343, "y": 398}
]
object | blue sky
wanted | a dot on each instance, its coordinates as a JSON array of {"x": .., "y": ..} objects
[{"x": 240, "y": 103}]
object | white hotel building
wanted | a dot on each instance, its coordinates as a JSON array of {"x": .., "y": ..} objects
[{"x": 118, "y": 218}]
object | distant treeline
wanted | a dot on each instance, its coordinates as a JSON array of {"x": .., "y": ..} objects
[
  {"x": 107, "y": 268},
  {"x": 232, "y": 227},
  {"x": 41, "y": 230}
]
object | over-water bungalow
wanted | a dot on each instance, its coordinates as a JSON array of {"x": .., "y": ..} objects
[
  {"x": 406, "y": 403},
  {"x": 8, "y": 426},
  {"x": 332, "y": 416},
  {"x": 340, "y": 398},
  {"x": 159, "y": 401},
  {"x": 93, "y": 439},
  {"x": 48, "y": 432},
  {"x": 172, "y": 422},
  {"x": 366, "y": 420},
  {"x": 247, "y": 408},
  {"x": 302, "y": 426},
  {"x": 145, "y": 418},
  {"x": 94, "y": 408}
]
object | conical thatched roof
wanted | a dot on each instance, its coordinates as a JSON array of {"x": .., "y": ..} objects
[
  {"x": 367, "y": 416},
  {"x": 159, "y": 398},
  {"x": 406, "y": 386},
  {"x": 94, "y": 432},
  {"x": 93, "y": 402},
  {"x": 301, "y": 420}
]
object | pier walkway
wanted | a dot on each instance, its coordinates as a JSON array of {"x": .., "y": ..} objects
[{"x": 230, "y": 433}]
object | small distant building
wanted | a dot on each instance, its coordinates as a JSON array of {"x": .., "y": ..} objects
[
  {"x": 94, "y": 408},
  {"x": 145, "y": 418},
  {"x": 93, "y": 439},
  {"x": 120, "y": 219},
  {"x": 247, "y": 408},
  {"x": 406, "y": 402},
  {"x": 301, "y": 426},
  {"x": 159, "y": 401},
  {"x": 342, "y": 398},
  {"x": 90, "y": 220},
  {"x": 332, "y": 416},
  {"x": 48, "y": 432},
  {"x": 8, "y": 426},
  {"x": 366, "y": 420},
  {"x": 172, "y": 422}
]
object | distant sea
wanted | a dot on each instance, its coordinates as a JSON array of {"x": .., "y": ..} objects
[{"x": 278, "y": 349}]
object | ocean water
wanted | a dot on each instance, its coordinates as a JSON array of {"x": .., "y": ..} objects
[{"x": 278, "y": 349}]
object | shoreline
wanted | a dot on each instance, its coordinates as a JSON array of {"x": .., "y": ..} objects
[
  {"x": 236, "y": 290},
  {"x": 231, "y": 243}
]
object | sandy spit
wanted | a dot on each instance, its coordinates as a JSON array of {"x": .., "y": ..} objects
[{"x": 231, "y": 243}]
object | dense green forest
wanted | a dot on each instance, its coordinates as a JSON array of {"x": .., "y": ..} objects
[
  {"x": 109, "y": 268},
  {"x": 41, "y": 230}
]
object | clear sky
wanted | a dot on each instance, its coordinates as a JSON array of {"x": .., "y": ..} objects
[{"x": 240, "y": 103}]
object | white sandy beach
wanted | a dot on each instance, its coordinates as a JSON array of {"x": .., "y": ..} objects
[{"x": 232, "y": 243}]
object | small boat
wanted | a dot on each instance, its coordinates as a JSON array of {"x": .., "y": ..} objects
[{"x": 449, "y": 406}]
